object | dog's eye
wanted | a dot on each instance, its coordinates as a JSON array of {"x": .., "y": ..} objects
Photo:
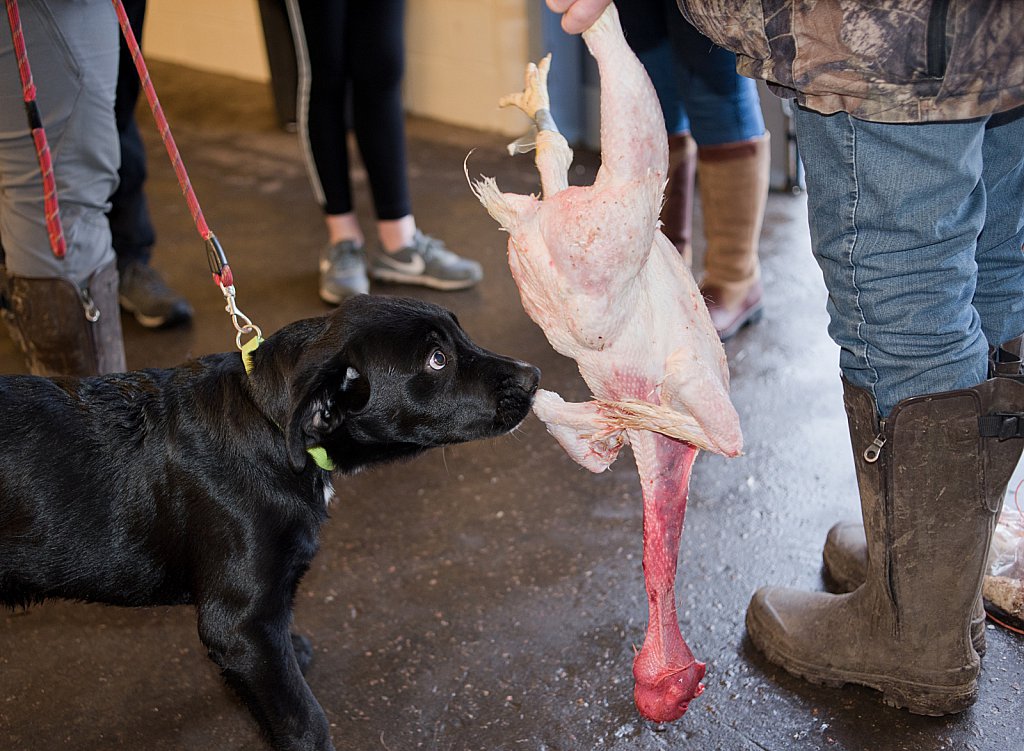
[{"x": 437, "y": 360}]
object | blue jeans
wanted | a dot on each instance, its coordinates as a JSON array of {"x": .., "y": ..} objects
[
  {"x": 696, "y": 81},
  {"x": 702, "y": 94},
  {"x": 917, "y": 229}
]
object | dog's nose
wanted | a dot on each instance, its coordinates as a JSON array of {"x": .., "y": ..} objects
[{"x": 528, "y": 377}]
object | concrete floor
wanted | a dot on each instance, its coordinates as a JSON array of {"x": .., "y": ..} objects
[{"x": 487, "y": 596}]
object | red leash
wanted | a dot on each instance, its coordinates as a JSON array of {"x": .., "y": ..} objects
[
  {"x": 35, "y": 124},
  {"x": 216, "y": 258},
  {"x": 221, "y": 271}
]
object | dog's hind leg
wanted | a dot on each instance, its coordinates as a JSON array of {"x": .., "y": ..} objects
[{"x": 258, "y": 660}]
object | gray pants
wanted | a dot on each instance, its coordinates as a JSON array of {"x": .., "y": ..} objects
[{"x": 73, "y": 50}]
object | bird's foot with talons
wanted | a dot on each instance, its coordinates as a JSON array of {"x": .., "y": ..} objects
[{"x": 534, "y": 96}]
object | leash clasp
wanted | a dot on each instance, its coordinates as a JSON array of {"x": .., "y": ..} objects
[
  {"x": 242, "y": 323},
  {"x": 221, "y": 271}
]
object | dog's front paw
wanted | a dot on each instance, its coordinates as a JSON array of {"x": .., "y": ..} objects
[{"x": 303, "y": 649}]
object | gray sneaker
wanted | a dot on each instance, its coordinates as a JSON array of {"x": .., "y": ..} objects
[
  {"x": 144, "y": 293},
  {"x": 426, "y": 262},
  {"x": 342, "y": 272}
]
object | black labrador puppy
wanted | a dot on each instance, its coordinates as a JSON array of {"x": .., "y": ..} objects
[{"x": 207, "y": 484}]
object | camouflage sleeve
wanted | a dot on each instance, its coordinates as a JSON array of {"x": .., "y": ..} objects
[
  {"x": 737, "y": 25},
  {"x": 886, "y": 61}
]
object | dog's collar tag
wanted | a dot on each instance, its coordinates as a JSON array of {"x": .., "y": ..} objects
[
  {"x": 247, "y": 349},
  {"x": 319, "y": 453}
]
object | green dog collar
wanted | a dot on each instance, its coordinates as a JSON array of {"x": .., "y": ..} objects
[{"x": 319, "y": 453}]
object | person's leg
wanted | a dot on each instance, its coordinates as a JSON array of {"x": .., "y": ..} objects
[
  {"x": 998, "y": 297},
  {"x": 733, "y": 171},
  {"x": 895, "y": 214},
  {"x": 130, "y": 224},
  {"x": 1000, "y": 304},
  {"x": 319, "y": 30},
  {"x": 63, "y": 311},
  {"x": 376, "y": 60},
  {"x": 932, "y": 477},
  {"x": 723, "y": 106},
  {"x": 375, "y": 42},
  {"x": 143, "y": 291}
]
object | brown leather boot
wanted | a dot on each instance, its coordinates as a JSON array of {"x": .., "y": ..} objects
[
  {"x": 64, "y": 329},
  {"x": 931, "y": 480},
  {"x": 734, "y": 189},
  {"x": 677, "y": 213}
]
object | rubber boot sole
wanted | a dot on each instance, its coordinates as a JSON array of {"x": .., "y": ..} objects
[{"x": 913, "y": 696}]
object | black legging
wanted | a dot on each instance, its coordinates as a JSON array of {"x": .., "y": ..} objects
[{"x": 353, "y": 48}]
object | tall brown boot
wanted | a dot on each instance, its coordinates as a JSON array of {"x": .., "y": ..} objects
[
  {"x": 64, "y": 329},
  {"x": 845, "y": 558},
  {"x": 677, "y": 213},
  {"x": 931, "y": 480},
  {"x": 734, "y": 190},
  {"x": 845, "y": 555}
]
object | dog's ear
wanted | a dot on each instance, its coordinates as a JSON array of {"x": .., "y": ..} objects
[{"x": 340, "y": 391}]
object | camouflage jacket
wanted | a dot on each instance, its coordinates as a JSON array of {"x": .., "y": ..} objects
[{"x": 881, "y": 60}]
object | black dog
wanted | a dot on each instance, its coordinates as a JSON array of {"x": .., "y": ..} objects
[{"x": 203, "y": 484}]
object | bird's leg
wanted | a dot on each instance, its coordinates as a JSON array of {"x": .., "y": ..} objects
[
  {"x": 553, "y": 153},
  {"x": 634, "y": 144},
  {"x": 581, "y": 429}
]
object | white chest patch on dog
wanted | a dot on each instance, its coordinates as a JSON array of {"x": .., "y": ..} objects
[{"x": 328, "y": 493}]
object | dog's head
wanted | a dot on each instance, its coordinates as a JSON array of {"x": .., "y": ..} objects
[{"x": 386, "y": 377}]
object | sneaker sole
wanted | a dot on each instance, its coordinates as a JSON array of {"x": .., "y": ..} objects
[
  {"x": 397, "y": 277},
  {"x": 753, "y": 316},
  {"x": 916, "y": 698},
  {"x": 153, "y": 322},
  {"x": 332, "y": 299}
]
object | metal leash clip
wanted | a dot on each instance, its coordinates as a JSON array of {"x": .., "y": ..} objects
[
  {"x": 221, "y": 271},
  {"x": 243, "y": 325}
]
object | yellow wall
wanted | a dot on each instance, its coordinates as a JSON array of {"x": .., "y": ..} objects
[
  {"x": 462, "y": 55},
  {"x": 221, "y": 37}
]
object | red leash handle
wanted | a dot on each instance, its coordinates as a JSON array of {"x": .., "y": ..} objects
[{"x": 35, "y": 123}]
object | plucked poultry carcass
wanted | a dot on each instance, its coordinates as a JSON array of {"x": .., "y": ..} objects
[{"x": 610, "y": 291}]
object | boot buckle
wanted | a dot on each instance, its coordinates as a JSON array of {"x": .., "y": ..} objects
[{"x": 1002, "y": 425}]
